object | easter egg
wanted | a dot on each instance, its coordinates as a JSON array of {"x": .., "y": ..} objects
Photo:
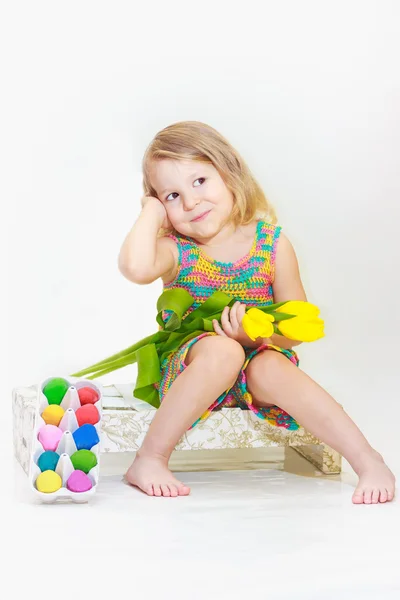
[
  {"x": 48, "y": 482},
  {"x": 84, "y": 460},
  {"x": 55, "y": 390},
  {"x": 48, "y": 461},
  {"x": 53, "y": 414},
  {"x": 87, "y": 414},
  {"x": 49, "y": 436},
  {"x": 78, "y": 481},
  {"x": 88, "y": 395},
  {"x": 85, "y": 437}
]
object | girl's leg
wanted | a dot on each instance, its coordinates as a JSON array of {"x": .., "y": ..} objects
[
  {"x": 273, "y": 379},
  {"x": 213, "y": 363}
]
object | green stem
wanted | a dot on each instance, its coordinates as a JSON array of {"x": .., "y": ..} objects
[{"x": 154, "y": 338}]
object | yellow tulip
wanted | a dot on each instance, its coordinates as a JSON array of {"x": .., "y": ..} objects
[
  {"x": 299, "y": 308},
  {"x": 302, "y": 329},
  {"x": 258, "y": 324}
]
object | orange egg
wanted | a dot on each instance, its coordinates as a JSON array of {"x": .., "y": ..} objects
[{"x": 53, "y": 414}]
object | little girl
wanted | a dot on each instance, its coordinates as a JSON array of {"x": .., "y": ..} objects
[{"x": 205, "y": 226}]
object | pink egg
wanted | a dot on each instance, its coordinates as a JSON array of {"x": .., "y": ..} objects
[
  {"x": 49, "y": 436},
  {"x": 78, "y": 481}
]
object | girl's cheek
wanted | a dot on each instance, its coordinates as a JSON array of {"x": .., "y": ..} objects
[{"x": 172, "y": 212}]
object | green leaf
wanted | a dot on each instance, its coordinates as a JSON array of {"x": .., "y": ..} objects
[
  {"x": 148, "y": 394},
  {"x": 177, "y": 301},
  {"x": 154, "y": 338},
  {"x": 148, "y": 366},
  {"x": 150, "y": 352},
  {"x": 271, "y": 307},
  {"x": 214, "y": 304},
  {"x": 279, "y": 316},
  {"x": 183, "y": 339}
]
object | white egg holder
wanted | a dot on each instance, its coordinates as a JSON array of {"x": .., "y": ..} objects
[{"x": 66, "y": 446}]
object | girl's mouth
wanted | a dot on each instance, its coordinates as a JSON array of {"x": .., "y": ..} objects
[{"x": 202, "y": 216}]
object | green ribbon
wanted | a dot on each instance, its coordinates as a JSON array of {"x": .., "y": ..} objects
[{"x": 150, "y": 352}]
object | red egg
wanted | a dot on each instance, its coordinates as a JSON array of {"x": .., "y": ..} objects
[
  {"x": 88, "y": 395},
  {"x": 87, "y": 414}
]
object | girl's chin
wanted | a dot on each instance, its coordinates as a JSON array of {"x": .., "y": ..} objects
[{"x": 194, "y": 226}]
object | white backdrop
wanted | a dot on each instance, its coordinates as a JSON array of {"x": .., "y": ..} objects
[{"x": 309, "y": 94}]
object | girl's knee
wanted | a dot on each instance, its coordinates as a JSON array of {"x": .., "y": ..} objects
[
  {"x": 226, "y": 360},
  {"x": 230, "y": 350},
  {"x": 221, "y": 354},
  {"x": 268, "y": 365}
]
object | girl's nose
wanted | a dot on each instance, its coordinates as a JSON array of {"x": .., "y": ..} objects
[{"x": 189, "y": 202}]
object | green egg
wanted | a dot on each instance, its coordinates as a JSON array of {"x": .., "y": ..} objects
[
  {"x": 84, "y": 460},
  {"x": 55, "y": 390}
]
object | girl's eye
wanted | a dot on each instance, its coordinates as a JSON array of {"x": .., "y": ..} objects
[{"x": 172, "y": 193}]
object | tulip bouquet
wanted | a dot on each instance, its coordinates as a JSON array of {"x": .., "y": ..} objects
[{"x": 295, "y": 320}]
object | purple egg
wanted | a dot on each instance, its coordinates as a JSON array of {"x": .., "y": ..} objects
[
  {"x": 78, "y": 481},
  {"x": 49, "y": 436}
]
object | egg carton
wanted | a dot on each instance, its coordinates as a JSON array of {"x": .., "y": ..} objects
[{"x": 66, "y": 445}]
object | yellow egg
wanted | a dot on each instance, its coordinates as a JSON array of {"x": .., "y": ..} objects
[
  {"x": 53, "y": 414},
  {"x": 48, "y": 482}
]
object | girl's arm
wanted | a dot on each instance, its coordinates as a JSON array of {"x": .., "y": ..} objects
[
  {"x": 143, "y": 257},
  {"x": 287, "y": 284}
]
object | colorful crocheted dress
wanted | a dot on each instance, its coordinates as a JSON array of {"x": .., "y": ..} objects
[{"x": 248, "y": 280}]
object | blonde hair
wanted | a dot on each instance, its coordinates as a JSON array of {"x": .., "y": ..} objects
[{"x": 192, "y": 140}]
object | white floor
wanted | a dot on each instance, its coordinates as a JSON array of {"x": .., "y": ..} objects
[{"x": 263, "y": 527}]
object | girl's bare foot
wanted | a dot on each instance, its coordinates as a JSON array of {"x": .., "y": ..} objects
[
  {"x": 376, "y": 483},
  {"x": 152, "y": 476}
]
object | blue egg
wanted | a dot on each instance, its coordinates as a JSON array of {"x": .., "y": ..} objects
[
  {"x": 85, "y": 437},
  {"x": 48, "y": 461}
]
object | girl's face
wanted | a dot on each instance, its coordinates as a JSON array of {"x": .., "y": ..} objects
[{"x": 195, "y": 196}]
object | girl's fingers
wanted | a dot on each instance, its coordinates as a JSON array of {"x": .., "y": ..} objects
[
  {"x": 241, "y": 312},
  {"x": 225, "y": 321},
  {"x": 234, "y": 317},
  {"x": 217, "y": 328}
]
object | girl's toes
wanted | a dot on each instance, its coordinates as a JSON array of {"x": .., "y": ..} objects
[
  {"x": 367, "y": 496},
  {"x": 390, "y": 495},
  {"x": 174, "y": 490},
  {"x": 149, "y": 490},
  {"x": 358, "y": 497},
  {"x": 157, "y": 490},
  {"x": 375, "y": 496},
  {"x": 384, "y": 495},
  {"x": 183, "y": 490},
  {"x": 165, "y": 491}
]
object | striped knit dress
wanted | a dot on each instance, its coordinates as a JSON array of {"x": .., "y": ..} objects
[{"x": 248, "y": 280}]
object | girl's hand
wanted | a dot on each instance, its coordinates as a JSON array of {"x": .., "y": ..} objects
[
  {"x": 231, "y": 320},
  {"x": 153, "y": 204}
]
